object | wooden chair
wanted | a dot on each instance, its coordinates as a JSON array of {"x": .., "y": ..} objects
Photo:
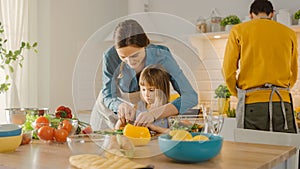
[{"x": 275, "y": 138}]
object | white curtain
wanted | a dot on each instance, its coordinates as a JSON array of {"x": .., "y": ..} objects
[{"x": 14, "y": 18}]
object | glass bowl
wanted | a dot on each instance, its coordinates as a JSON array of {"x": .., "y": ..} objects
[
  {"x": 119, "y": 145},
  {"x": 18, "y": 115},
  {"x": 86, "y": 143},
  {"x": 191, "y": 123},
  {"x": 75, "y": 124}
]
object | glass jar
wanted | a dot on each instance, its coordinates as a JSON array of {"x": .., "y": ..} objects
[
  {"x": 215, "y": 24},
  {"x": 201, "y": 25},
  {"x": 215, "y": 21}
]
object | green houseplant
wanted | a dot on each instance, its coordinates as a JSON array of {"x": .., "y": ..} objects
[
  {"x": 230, "y": 20},
  {"x": 297, "y": 14},
  {"x": 223, "y": 95},
  {"x": 8, "y": 58},
  {"x": 222, "y": 92}
]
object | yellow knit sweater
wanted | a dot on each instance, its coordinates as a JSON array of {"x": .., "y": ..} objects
[{"x": 257, "y": 52}]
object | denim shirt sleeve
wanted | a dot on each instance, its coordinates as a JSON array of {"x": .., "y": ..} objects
[
  {"x": 110, "y": 70},
  {"x": 188, "y": 97}
]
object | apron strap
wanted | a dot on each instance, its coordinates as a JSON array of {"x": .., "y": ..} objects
[
  {"x": 240, "y": 110},
  {"x": 275, "y": 90}
]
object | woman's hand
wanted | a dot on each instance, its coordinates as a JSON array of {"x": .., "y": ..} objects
[
  {"x": 126, "y": 112},
  {"x": 144, "y": 118}
]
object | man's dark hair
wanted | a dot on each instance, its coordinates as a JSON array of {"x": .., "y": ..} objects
[{"x": 261, "y": 6}]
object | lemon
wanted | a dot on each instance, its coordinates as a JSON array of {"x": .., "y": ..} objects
[
  {"x": 172, "y": 132},
  {"x": 200, "y": 138},
  {"x": 180, "y": 135}
]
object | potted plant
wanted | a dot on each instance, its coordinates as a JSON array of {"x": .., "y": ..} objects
[
  {"x": 297, "y": 16},
  {"x": 8, "y": 58},
  {"x": 223, "y": 95},
  {"x": 230, "y": 20}
]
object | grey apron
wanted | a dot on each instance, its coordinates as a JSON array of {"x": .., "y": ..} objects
[
  {"x": 240, "y": 109},
  {"x": 103, "y": 118}
]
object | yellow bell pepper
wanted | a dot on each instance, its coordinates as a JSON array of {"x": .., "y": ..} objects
[{"x": 136, "y": 131}]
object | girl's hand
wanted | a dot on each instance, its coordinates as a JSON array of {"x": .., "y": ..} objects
[
  {"x": 120, "y": 123},
  {"x": 126, "y": 112},
  {"x": 144, "y": 118}
]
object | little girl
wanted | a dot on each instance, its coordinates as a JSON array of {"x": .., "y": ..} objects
[{"x": 154, "y": 85}]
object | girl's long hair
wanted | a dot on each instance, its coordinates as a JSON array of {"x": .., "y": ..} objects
[{"x": 156, "y": 76}]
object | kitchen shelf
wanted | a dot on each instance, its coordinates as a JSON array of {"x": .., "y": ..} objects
[
  {"x": 224, "y": 34},
  {"x": 198, "y": 40},
  {"x": 296, "y": 28}
]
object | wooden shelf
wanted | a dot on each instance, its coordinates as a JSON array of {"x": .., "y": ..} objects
[
  {"x": 224, "y": 34},
  {"x": 296, "y": 28},
  {"x": 198, "y": 40},
  {"x": 211, "y": 35}
]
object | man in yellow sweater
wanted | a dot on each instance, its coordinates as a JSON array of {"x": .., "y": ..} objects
[{"x": 260, "y": 66}]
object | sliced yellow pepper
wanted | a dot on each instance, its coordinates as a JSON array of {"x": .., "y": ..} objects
[{"x": 136, "y": 131}]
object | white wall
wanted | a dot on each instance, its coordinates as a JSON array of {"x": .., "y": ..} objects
[
  {"x": 65, "y": 25},
  {"x": 63, "y": 28},
  {"x": 192, "y": 9}
]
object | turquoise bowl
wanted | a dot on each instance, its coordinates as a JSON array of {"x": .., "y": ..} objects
[
  {"x": 7, "y": 130},
  {"x": 191, "y": 151}
]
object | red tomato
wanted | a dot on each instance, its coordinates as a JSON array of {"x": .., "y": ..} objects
[
  {"x": 69, "y": 116},
  {"x": 63, "y": 112},
  {"x": 68, "y": 110},
  {"x": 41, "y": 121},
  {"x": 46, "y": 133},
  {"x": 60, "y": 135},
  {"x": 60, "y": 108},
  {"x": 67, "y": 125},
  {"x": 87, "y": 130}
]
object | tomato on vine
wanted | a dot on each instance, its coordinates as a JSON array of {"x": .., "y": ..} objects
[
  {"x": 41, "y": 121},
  {"x": 60, "y": 135},
  {"x": 45, "y": 133}
]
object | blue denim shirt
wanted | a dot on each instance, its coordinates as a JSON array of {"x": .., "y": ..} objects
[{"x": 155, "y": 54}]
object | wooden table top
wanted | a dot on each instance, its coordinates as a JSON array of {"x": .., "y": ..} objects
[{"x": 234, "y": 155}]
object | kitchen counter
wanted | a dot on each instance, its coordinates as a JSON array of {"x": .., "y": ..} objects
[{"x": 234, "y": 155}]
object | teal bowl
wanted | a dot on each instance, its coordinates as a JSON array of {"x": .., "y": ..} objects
[
  {"x": 7, "y": 130},
  {"x": 191, "y": 151}
]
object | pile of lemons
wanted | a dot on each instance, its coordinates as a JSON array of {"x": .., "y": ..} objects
[{"x": 183, "y": 135}]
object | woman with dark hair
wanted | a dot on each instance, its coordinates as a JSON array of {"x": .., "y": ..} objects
[{"x": 122, "y": 65}]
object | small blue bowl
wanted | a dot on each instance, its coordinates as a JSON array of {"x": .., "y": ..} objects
[
  {"x": 10, "y": 130},
  {"x": 191, "y": 151}
]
